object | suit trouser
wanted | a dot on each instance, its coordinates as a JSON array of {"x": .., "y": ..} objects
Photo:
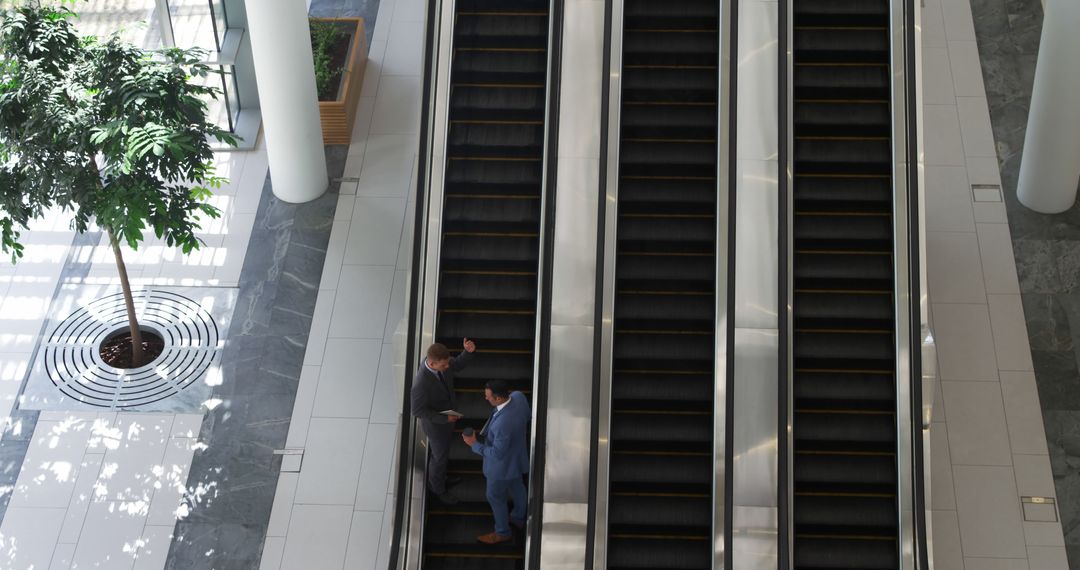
[
  {"x": 439, "y": 443},
  {"x": 498, "y": 491}
]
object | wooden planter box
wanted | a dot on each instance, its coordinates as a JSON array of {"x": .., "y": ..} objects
[{"x": 337, "y": 117}]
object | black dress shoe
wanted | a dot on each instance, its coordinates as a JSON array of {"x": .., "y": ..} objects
[
  {"x": 451, "y": 481},
  {"x": 448, "y": 498}
]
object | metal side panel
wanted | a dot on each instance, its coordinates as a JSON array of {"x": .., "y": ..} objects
[{"x": 569, "y": 414}]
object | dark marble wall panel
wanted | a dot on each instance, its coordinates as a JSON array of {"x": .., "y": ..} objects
[
  {"x": 1047, "y": 247},
  {"x": 232, "y": 481}
]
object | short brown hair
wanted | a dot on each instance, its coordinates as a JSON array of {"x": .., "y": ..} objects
[{"x": 438, "y": 352}]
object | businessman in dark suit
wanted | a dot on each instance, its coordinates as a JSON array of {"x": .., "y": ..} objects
[
  {"x": 505, "y": 451},
  {"x": 432, "y": 393}
]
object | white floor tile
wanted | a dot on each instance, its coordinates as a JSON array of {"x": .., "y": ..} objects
[
  {"x": 1010, "y": 332},
  {"x": 398, "y": 304},
  {"x": 361, "y": 129},
  {"x": 973, "y": 563},
  {"x": 81, "y": 498},
  {"x": 933, "y": 25},
  {"x": 958, "y": 22},
  {"x": 942, "y": 495},
  {"x": 320, "y": 327},
  {"x": 403, "y": 52},
  {"x": 1033, "y": 476},
  {"x": 187, "y": 426},
  {"x": 271, "y": 554},
  {"x": 1023, "y": 413},
  {"x": 953, "y": 267},
  {"x": 977, "y": 431},
  {"x": 318, "y": 537},
  {"x": 283, "y": 504},
  {"x": 948, "y": 200},
  {"x": 409, "y": 11},
  {"x": 944, "y": 145},
  {"x": 362, "y": 298},
  {"x": 989, "y": 512},
  {"x": 249, "y": 191},
  {"x": 131, "y": 471},
  {"x": 230, "y": 258},
  {"x": 332, "y": 459},
  {"x": 373, "y": 69},
  {"x": 154, "y": 547},
  {"x": 990, "y": 213},
  {"x": 383, "y": 559},
  {"x": 397, "y": 106},
  {"x": 996, "y": 255},
  {"x": 375, "y": 474},
  {"x": 967, "y": 77},
  {"x": 347, "y": 378},
  {"x": 375, "y": 231},
  {"x": 382, "y": 21},
  {"x": 947, "y": 553},
  {"x": 172, "y": 483},
  {"x": 111, "y": 536},
  {"x": 1047, "y": 558},
  {"x": 975, "y": 127},
  {"x": 52, "y": 463},
  {"x": 1043, "y": 533},
  {"x": 302, "y": 406},
  {"x": 364, "y": 540},
  {"x": 344, "y": 208},
  {"x": 965, "y": 344},
  {"x": 937, "y": 80},
  {"x": 335, "y": 255},
  {"x": 389, "y": 386},
  {"x": 62, "y": 557},
  {"x": 28, "y": 536},
  {"x": 983, "y": 170},
  {"x": 387, "y": 163}
]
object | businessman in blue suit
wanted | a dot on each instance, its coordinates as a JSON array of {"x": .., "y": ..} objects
[{"x": 506, "y": 458}]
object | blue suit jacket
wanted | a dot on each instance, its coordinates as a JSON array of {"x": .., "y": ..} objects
[{"x": 505, "y": 449}]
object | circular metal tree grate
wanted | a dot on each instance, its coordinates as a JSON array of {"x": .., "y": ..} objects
[{"x": 75, "y": 367}]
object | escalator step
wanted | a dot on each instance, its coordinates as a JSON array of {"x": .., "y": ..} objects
[
  {"x": 668, "y": 352},
  {"x": 666, "y": 232},
  {"x": 501, "y": 30},
  {"x": 652, "y": 49},
  {"x": 825, "y": 553},
  {"x": 503, "y": 249},
  {"x": 638, "y": 196},
  {"x": 474, "y": 175},
  {"x": 497, "y": 103},
  {"x": 839, "y": 472},
  {"x": 479, "y": 561},
  {"x": 839, "y": 390},
  {"x": 662, "y": 514},
  {"x": 854, "y": 350},
  {"x": 841, "y": 44},
  {"x": 457, "y": 290},
  {"x": 496, "y": 139},
  {"x": 480, "y": 209},
  {"x": 501, "y": 6},
  {"x": 842, "y": 119},
  {"x": 852, "y": 513},
  {"x": 822, "y": 194},
  {"x": 455, "y": 532},
  {"x": 860, "y": 271},
  {"x": 833, "y": 428},
  {"x": 512, "y": 67},
  {"x": 691, "y": 391},
  {"x": 685, "y": 312},
  {"x": 515, "y": 369},
  {"x": 666, "y": 272},
  {"x": 842, "y": 231},
  {"x": 679, "y": 429},
  {"x": 668, "y": 122},
  {"x": 675, "y": 473},
  {"x": 849, "y": 155},
  {"x": 686, "y": 14},
  {"x": 627, "y": 551},
  {"x": 839, "y": 309},
  {"x": 849, "y": 12},
  {"x": 506, "y": 327},
  {"x": 847, "y": 83},
  {"x": 670, "y": 85}
]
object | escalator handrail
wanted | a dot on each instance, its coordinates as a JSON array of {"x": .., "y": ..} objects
[{"x": 407, "y": 537}]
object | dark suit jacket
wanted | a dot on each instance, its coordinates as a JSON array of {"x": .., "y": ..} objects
[
  {"x": 505, "y": 449},
  {"x": 430, "y": 396}
]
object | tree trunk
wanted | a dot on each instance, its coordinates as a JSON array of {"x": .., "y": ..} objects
[{"x": 129, "y": 303}]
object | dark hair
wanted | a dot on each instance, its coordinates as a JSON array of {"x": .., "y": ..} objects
[
  {"x": 438, "y": 352},
  {"x": 498, "y": 388}
]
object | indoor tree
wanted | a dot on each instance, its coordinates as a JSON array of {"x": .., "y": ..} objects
[{"x": 116, "y": 136}]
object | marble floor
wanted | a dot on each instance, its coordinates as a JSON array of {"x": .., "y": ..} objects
[{"x": 1047, "y": 247}]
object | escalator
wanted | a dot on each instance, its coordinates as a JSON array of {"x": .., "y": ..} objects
[
  {"x": 844, "y": 389},
  {"x": 660, "y": 498},
  {"x": 490, "y": 246}
]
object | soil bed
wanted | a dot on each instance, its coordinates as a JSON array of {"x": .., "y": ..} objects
[{"x": 116, "y": 351}]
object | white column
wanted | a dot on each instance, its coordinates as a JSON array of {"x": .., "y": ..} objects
[
  {"x": 285, "y": 74},
  {"x": 1050, "y": 166}
]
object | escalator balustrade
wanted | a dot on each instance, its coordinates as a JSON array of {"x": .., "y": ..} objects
[
  {"x": 660, "y": 488},
  {"x": 845, "y": 448},
  {"x": 490, "y": 246}
]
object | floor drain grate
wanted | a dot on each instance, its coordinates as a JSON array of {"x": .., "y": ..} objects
[{"x": 193, "y": 339}]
